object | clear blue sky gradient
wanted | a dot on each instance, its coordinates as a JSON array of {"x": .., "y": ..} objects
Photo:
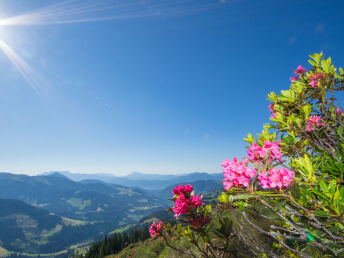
[{"x": 157, "y": 94}]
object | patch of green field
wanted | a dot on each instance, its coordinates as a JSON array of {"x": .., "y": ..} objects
[
  {"x": 73, "y": 222},
  {"x": 129, "y": 192},
  {"x": 143, "y": 208},
  {"x": 48, "y": 233},
  {"x": 120, "y": 230},
  {"x": 134, "y": 217},
  {"x": 41, "y": 255},
  {"x": 78, "y": 203}
]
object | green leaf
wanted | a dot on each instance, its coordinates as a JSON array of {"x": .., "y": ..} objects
[
  {"x": 321, "y": 213},
  {"x": 278, "y": 207},
  {"x": 312, "y": 62},
  {"x": 223, "y": 198},
  {"x": 341, "y": 71},
  {"x": 272, "y": 97},
  {"x": 307, "y": 109},
  {"x": 287, "y": 96},
  {"x": 326, "y": 65},
  {"x": 340, "y": 131},
  {"x": 324, "y": 186},
  {"x": 249, "y": 138},
  {"x": 332, "y": 187},
  {"x": 240, "y": 197}
]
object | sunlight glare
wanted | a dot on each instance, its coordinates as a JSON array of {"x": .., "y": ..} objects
[{"x": 33, "y": 78}]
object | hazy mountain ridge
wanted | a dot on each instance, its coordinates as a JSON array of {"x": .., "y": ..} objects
[{"x": 144, "y": 181}]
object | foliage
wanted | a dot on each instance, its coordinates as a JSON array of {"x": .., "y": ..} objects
[{"x": 292, "y": 178}]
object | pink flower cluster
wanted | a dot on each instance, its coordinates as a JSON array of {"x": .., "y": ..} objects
[
  {"x": 314, "y": 121},
  {"x": 271, "y": 108},
  {"x": 339, "y": 111},
  {"x": 182, "y": 189},
  {"x": 299, "y": 71},
  {"x": 156, "y": 229},
  {"x": 184, "y": 202},
  {"x": 270, "y": 150},
  {"x": 236, "y": 173},
  {"x": 294, "y": 78},
  {"x": 276, "y": 178},
  {"x": 315, "y": 78}
]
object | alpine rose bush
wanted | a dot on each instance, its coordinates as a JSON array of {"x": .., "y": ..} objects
[
  {"x": 156, "y": 229},
  {"x": 292, "y": 177},
  {"x": 184, "y": 202}
]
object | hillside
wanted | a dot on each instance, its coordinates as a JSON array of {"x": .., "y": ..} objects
[
  {"x": 94, "y": 201},
  {"x": 25, "y": 228},
  {"x": 84, "y": 210},
  {"x": 114, "y": 242}
]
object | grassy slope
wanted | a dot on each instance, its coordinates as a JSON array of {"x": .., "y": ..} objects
[{"x": 151, "y": 249}]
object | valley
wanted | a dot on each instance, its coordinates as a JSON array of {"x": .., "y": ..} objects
[{"x": 51, "y": 215}]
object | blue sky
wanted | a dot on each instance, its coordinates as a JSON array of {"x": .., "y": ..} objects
[{"x": 157, "y": 87}]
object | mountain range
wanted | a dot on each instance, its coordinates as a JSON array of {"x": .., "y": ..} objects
[
  {"x": 141, "y": 180},
  {"x": 52, "y": 214}
]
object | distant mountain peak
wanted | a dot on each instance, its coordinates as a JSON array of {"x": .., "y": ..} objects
[{"x": 57, "y": 174}]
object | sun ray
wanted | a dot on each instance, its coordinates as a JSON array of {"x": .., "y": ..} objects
[
  {"x": 33, "y": 78},
  {"x": 74, "y": 11},
  {"x": 77, "y": 11}
]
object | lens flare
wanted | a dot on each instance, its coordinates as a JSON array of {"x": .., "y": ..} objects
[
  {"x": 77, "y": 11},
  {"x": 33, "y": 78}
]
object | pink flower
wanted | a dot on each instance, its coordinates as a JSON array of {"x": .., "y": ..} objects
[
  {"x": 181, "y": 206},
  {"x": 236, "y": 173},
  {"x": 182, "y": 189},
  {"x": 339, "y": 111},
  {"x": 314, "y": 121},
  {"x": 264, "y": 180},
  {"x": 273, "y": 115},
  {"x": 196, "y": 201},
  {"x": 271, "y": 107},
  {"x": 155, "y": 229},
  {"x": 275, "y": 178},
  {"x": 228, "y": 185},
  {"x": 293, "y": 78},
  {"x": 315, "y": 78},
  {"x": 313, "y": 83},
  {"x": 300, "y": 70},
  {"x": 270, "y": 150}
]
